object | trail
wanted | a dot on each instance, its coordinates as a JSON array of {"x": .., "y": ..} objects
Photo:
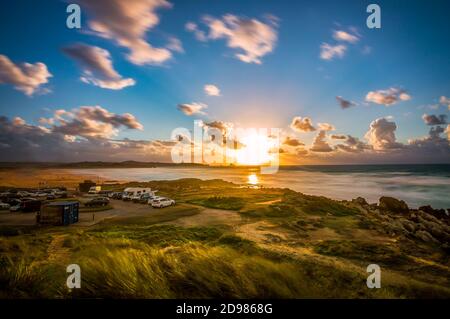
[{"x": 56, "y": 251}]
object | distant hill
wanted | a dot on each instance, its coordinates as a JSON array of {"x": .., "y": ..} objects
[{"x": 125, "y": 164}]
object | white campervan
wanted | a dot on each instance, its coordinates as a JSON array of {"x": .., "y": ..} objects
[{"x": 133, "y": 193}]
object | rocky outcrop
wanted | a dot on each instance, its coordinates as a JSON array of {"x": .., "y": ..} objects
[
  {"x": 393, "y": 205},
  {"x": 393, "y": 217},
  {"x": 360, "y": 200}
]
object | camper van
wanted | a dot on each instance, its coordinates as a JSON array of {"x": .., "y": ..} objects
[
  {"x": 134, "y": 193},
  {"x": 95, "y": 190}
]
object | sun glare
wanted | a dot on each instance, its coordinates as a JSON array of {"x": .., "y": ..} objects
[
  {"x": 255, "y": 150},
  {"x": 253, "y": 179}
]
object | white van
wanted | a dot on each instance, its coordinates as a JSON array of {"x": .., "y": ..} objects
[
  {"x": 94, "y": 189},
  {"x": 134, "y": 193}
]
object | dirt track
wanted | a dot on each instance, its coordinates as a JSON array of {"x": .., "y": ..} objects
[{"x": 121, "y": 209}]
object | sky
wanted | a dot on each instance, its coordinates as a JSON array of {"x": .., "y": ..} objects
[{"x": 116, "y": 88}]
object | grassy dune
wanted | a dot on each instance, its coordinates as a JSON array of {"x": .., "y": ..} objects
[{"x": 280, "y": 244}]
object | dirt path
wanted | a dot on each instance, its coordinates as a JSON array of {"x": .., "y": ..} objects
[
  {"x": 210, "y": 217},
  {"x": 56, "y": 251}
]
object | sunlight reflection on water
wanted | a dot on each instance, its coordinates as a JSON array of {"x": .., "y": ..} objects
[{"x": 415, "y": 188}]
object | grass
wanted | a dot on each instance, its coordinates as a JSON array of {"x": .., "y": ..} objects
[
  {"x": 229, "y": 203},
  {"x": 145, "y": 256},
  {"x": 226, "y": 267}
]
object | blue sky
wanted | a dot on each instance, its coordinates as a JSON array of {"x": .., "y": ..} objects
[{"x": 409, "y": 52}]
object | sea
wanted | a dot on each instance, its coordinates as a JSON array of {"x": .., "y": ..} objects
[{"x": 417, "y": 185}]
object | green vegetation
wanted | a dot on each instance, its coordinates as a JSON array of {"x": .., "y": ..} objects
[
  {"x": 231, "y": 203},
  {"x": 271, "y": 243}
]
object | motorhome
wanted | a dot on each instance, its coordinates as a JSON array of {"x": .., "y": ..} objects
[
  {"x": 95, "y": 190},
  {"x": 131, "y": 193}
]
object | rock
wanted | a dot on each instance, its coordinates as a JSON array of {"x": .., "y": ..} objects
[
  {"x": 425, "y": 236},
  {"x": 393, "y": 205},
  {"x": 427, "y": 209},
  {"x": 440, "y": 234},
  {"x": 408, "y": 225},
  {"x": 360, "y": 200}
]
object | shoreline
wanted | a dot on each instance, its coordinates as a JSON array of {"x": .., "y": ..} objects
[{"x": 70, "y": 178}]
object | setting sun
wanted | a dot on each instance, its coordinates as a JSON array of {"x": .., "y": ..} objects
[
  {"x": 253, "y": 179},
  {"x": 256, "y": 149}
]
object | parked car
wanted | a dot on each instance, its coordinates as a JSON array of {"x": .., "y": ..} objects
[
  {"x": 154, "y": 198},
  {"x": 23, "y": 194},
  {"x": 28, "y": 205},
  {"x": 4, "y": 205},
  {"x": 11, "y": 201},
  {"x": 15, "y": 208},
  {"x": 144, "y": 198},
  {"x": 116, "y": 195},
  {"x": 98, "y": 201},
  {"x": 41, "y": 195},
  {"x": 163, "y": 202}
]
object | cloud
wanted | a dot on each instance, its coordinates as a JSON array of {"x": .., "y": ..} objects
[
  {"x": 353, "y": 145},
  {"x": 126, "y": 23},
  {"x": 387, "y": 97},
  {"x": 432, "y": 145},
  {"x": 175, "y": 45},
  {"x": 20, "y": 141},
  {"x": 211, "y": 90},
  {"x": 329, "y": 52},
  {"x": 338, "y": 137},
  {"x": 292, "y": 142},
  {"x": 192, "y": 108},
  {"x": 326, "y": 127},
  {"x": 340, "y": 35},
  {"x": 381, "y": 135},
  {"x": 97, "y": 67},
  {"x": 345, "y": 104},
  {"x": 435, "y": 119},
  {"x": 320, "y": 144},
  {"x": 302, "y": 124},
  {"x": 252, "y": 37},
  {"x": 90, "y": 122},
  {"x": 199, "y": 34},
  {"x": 25, "y": 77},
  {"x": 445, "y": 101},
  {"x": 220, "y": 125}
]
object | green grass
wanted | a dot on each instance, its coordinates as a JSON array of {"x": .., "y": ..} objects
[
  {"x": 144, "y": 256},
  {"x": 229, "y": 203}
]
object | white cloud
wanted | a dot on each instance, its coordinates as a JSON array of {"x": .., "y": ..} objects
[
  {"x": 126, "y": 23},
  {"x": 329, "y": 52},
  {"x": 211, "y": 90},
  {"x": 326, "y": 127},
  {"x": 199, "y": 34},
  {"x": 340, "y": 35},
  {"x": 445, "y": 101},
  {"x": 387, "y": 97},
  {"x": 97, "y": 67},
  {"x": 192, "y": 108},
  {"x": 175, "y": 45},
  {"x": 435, "y": 119},
  {"x": 25, "y": 77},
  {"x": 252, "y": 37},
  {"x": 320, "y": 144},
  {"x": 302, "y": 124},
  {"x": 90, "y": 122},
  {"x": 381, "y": 134}
]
